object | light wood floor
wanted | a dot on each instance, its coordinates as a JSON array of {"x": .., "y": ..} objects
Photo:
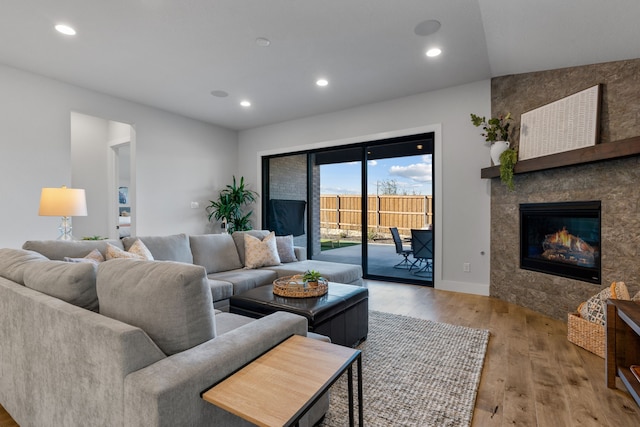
[{"x": 532, "y": 375}]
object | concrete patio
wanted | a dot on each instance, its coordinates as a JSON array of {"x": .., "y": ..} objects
[{"x": 381, "y": 257}]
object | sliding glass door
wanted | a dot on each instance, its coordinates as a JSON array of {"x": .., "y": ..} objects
[
  {"x": 344, "y": 202},
  {"x": 398, "y": 204}
]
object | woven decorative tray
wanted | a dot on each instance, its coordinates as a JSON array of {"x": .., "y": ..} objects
[{"x": 295, "y": 287}]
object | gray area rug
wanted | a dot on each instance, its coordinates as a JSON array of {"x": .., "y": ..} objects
[{"x": 415, "y": 373}]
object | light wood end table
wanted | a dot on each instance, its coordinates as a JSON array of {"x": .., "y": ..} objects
[{"x": 279, "y": 387}]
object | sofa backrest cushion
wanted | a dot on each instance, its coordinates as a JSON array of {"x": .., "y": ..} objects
[
  {"x": 215, "y": 252},
  {"x": 74, "y": 283},
  {"x": 170, "y": 301},
  {"x": 13, "y": 263},
  {"x": 238, "y": 238},
  {"x": 165, "y": 248},
  {"x": 58, "y": 249}
]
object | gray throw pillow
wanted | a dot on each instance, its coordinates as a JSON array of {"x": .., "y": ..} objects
[
  {"x": 74, "y": 283},
  {"x": 215, "y": 252},
  {"x": 170, "y": 301},
  {"x": 165, "y": 248},
  {"x": 14, "y": 261},
  {"x": 286, "y": 251}
]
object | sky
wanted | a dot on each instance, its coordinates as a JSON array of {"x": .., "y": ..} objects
[{"x": 413, "y": 175}]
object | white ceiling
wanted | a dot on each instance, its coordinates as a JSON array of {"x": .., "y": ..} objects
[{"x": 171, "y": 54}]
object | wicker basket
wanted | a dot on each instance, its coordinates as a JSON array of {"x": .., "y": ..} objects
[
  {"x": 295, "y": 287},
  {"x": 585, "y": 334}
]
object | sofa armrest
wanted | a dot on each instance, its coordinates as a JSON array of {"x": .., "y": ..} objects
[
  {"x": 167, "y": 393},
  {"x": 301, "y": 253},
  {"x": 71, "y": 361}
]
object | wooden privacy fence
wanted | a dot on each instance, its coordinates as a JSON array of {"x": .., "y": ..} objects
[{"x": 343, "y": 212}]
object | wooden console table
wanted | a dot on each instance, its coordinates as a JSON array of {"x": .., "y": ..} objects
[
  {"x": 279, "y": 387},
  {"x": 623, "y": 344}
]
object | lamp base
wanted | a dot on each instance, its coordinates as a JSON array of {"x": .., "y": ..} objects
[{"x": 65, "y": 229}]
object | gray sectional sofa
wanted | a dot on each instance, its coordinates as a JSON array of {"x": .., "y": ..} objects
[
  {"x": 222, "y": 255},
  {"x": 132, "y": 342}
]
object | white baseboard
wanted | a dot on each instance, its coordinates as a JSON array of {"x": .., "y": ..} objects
[{"x": 465, "y": 287}]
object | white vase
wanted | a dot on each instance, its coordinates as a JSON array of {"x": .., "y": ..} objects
[{"x": 497, "y": 148}]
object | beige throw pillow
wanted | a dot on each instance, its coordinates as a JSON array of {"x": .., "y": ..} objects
[
  {"x": 260, "y": 253},
  {"x": 137, "y": 251},
  {"x": 94, "y": 257}
]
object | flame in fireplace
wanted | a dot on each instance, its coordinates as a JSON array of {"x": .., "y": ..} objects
[{"x": 563, "y": 246}]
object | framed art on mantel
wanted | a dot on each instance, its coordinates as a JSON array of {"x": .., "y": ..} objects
[{"x": 567, "y": 124}]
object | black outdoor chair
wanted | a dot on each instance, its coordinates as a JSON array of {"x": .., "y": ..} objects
[
  {"x": 400, "y": 250},
  {"x": 422, "y": 247}
]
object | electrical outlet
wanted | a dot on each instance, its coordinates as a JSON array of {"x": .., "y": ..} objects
[
  {"x": 195, "y": 205},
  {"x": 466, "y": 267}
]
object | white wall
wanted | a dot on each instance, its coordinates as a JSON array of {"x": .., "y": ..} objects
[
  {"x": 462, "y": 199},
  {"x": 178, "y": 160},
  {"x": 89, "y": 137}
]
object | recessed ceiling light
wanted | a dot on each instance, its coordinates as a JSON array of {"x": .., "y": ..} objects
[
  {"x": 433, "y": 52},
  {"x": 426, "y": 28},
  {"x": 322, "y": 82},
  {"x": 263, "y": 41},
  {"x": 65, "y": 29},
  {"x": 219, "y": 93},
  {"x": 245, "y": 103}
]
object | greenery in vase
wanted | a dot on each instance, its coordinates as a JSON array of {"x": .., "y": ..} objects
[
  {"x": 508, "y": 160},
  {"x": 94, "y": 238},
  {"x": 495, "y": 129},
  {"x": 229, "y": 206}
]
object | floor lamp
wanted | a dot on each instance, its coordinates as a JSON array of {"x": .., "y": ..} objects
[{"x": 63, "y": 202}]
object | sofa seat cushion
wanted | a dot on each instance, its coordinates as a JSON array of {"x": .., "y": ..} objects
[
  {"x": 165, "y": 248},
  {"x": 332, "y": 271},
  {"x": 220, "y": 289},
  {"x": 13, "y": 263},
  {"x": 74, "y": 283},
  {"x": 170, "y": 301},
  {"x": 58, "y": 249},
  {"x": 215, "y": 252},
  {"x": 244, "y": 280},
  {"x": 226, "y": 322}
]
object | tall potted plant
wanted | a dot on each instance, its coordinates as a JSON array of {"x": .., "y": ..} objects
[{"x": 231, "y": 200}]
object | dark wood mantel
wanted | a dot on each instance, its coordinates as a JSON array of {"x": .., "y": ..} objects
[{"x": 607, "y": 151}]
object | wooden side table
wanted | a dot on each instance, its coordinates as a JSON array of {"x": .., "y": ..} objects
[
  {"x": 279, "y": 387},
  {"x": 623, "y": 344}
]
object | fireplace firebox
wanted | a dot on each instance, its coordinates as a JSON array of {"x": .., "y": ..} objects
[{"x": 561, "y": 239}]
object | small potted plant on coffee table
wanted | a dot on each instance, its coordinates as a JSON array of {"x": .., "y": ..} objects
[{"x": 311, "y": 278}]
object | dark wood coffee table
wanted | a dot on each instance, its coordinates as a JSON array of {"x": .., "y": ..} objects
[{"x": 341, "y": 314}]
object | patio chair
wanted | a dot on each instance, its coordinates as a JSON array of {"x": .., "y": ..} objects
[
  {"x": 400, "y": 250},
  {"x": 422, "y": 247}
]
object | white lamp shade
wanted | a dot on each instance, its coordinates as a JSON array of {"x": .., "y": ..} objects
[{"x": 63, "y": 202}]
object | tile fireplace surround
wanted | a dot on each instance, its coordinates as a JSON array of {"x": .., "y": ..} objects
[{"x": 614, "y": 182}]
